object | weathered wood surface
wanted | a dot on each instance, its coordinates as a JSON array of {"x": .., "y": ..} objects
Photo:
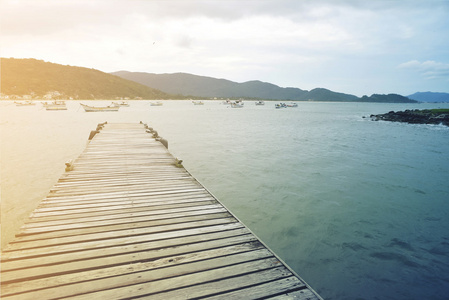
[{"x": 125, "y": 222}]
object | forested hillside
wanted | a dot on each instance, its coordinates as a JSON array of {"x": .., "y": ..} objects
[
  {"x": 208, "y": 87},
  {"x": 38, "y": 78}
]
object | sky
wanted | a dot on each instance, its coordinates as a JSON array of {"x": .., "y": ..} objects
[{"x": 358, "y": 47}]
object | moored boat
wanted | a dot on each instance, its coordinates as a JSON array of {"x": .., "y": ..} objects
[
  {"x": 292, "y": 105},
  {"x": 89, "y": 108},
  {"x": 55, "y": 105},
  {"x": 237, "y": 105},
  {"x": 158, "y": 103},
  {"x": 260, "y": 102},
  {"x": 25, "y": 103},
  {"x": 280, "y": 105},
  {"x": 123, "y": 103},
  {"x": 198, "y": 102}
]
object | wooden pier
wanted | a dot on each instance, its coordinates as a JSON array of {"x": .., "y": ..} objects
[{"x": 126, "y": 220}]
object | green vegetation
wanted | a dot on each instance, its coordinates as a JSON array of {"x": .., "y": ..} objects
[
  {"x": 38, "y": 78},
  {"x": 439, "y": 111}
]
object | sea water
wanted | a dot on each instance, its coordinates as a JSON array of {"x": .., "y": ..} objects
[{"x": 358, "y": 208}]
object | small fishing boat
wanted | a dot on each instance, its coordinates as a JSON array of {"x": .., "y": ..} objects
[
  {"x": 55, "y": 105},
  {"x": 158, "y": 103},
  {"x": 89, "y": 108},
  {"x": 198, "y": 102},
  {"x": 123, "y": 103},
  {"x": 260, "y": 102},
  {"x": 237, "y": 105},
  {"x": 25, "y": 103},
  {"x": 280, "y": 105},
  {"x": 292, "y": 105}
]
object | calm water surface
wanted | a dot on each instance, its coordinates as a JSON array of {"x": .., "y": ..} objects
[{"x": 359, "y": 209}]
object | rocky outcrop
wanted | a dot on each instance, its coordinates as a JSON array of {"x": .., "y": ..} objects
[{"x": 426, "y": 116}]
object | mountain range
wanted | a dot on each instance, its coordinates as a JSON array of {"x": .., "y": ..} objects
[
  {"x": 36, "y": 78},
  {"x": 208, "y": 87},
  {"x": 430, "y": 97}
]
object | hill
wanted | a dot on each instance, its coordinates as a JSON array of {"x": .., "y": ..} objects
[
  {"x": 390, "y": 98},
  {"x": 38, "y": 78},
  {"x": 430, "y": 97},
  {"x": 208, "y": 87}
]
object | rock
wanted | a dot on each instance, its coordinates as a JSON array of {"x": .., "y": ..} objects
[{"x": 426, "y": 116}]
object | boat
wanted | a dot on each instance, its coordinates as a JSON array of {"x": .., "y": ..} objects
[
  {"x": 25, "y": 103},
  {"x": 55, "y": 105},
  {"x": 292, "y": 105},
  {"x": 198, "y": 102},
  {"x": 123, "y": 103},
  {"x": 280, "y": 105},
  {"x": 260, "y": 102},
  {"x": 237, "y": 105},
  {"x": 89, "y": 108},
  {"x": 158, "y": 103}
]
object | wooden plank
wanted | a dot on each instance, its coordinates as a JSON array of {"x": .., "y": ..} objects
[
  {"x": 304, "y": 294},
  {"x": 263, "y": 290},
  {"x": 83, "y": 222},
  {"x": 125, "y": 194},
  {"x": 82, "y": 208},
  {"x": 128, "y": 179},
  {"x": 115, "y": 255},
  {"x": 267, "y": 271},
  {"x": 165, "y": 190},
  {"x": 249, "y": 286},
  {"x": 102, "y": 236},
  {"x": 140, "y": 206},
  {"x": 138, "y": 272},
  {"x": 14, "y": 252},
  {"x": 148, "y": 187},
  {"x": 161, "y": 220},
  {"x": 172, "y": 198},
  {"x": 149, "y": 172}
]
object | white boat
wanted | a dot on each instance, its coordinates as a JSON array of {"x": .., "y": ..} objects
[
  {"x": 280, "y": 105},
  {"x": 25, "y": 103},
  {"x": 55, "y": 105},
  {"x": 237, "y": 105},
  {"x": 158, "y": 103},
  {"x": 198, "y": 102},
  {"x": 89, "y": 108},
  {"x": 292, "y": 105},
  {"x": 260, "y": 102},
  {"x": 123, "y": 103}
]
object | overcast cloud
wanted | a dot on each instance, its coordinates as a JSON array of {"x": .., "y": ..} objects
[{"x": 357, "y": 47}]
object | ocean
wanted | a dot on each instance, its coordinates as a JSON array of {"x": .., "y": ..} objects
[{"x": 358, "y": 208}]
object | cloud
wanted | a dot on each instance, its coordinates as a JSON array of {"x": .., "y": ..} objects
[
  {"x": 428, "y": 69},
  {"x": 286, "y": 42}
]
